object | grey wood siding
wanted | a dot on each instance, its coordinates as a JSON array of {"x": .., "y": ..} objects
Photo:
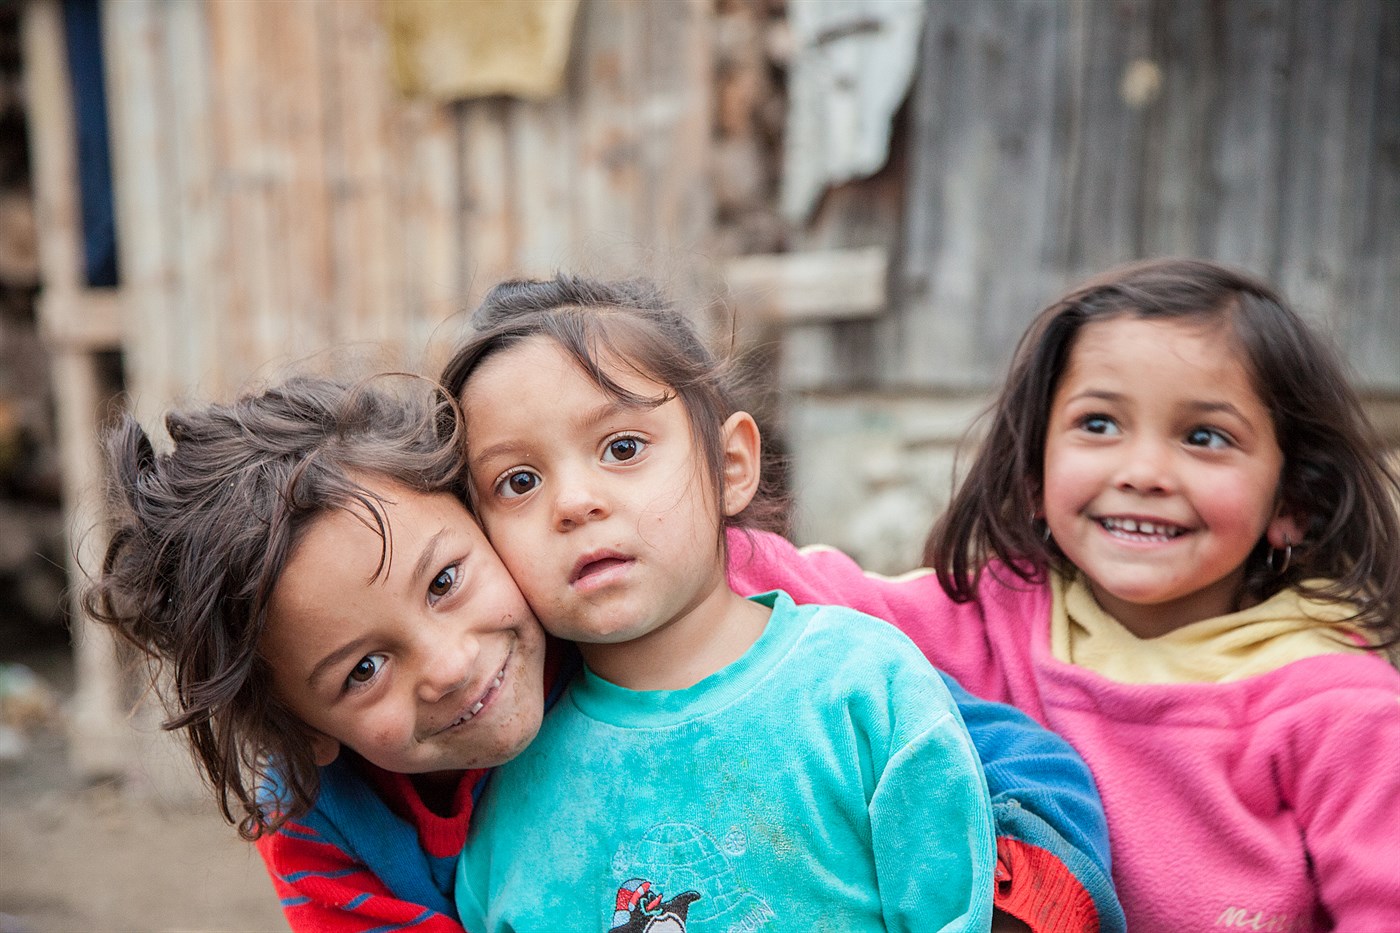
[{"x": 1046, "y": 139}]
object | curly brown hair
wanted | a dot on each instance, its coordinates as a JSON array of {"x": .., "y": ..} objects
[
  {"x": 201, "y": 534},
  {"x": 1336, "y": 479}
]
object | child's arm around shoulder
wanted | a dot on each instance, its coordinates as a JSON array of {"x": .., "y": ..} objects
[
  {"x": 1053, "y": 867},
  {"x": 323, "y": 889},
  {"x": 954, "y": 636},
  {"x": 369, "y": 854},
  {"x": 1053, "y": 864}
]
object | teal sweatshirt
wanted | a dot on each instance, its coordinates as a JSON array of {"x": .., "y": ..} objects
[{"x": 824, "y": 781}]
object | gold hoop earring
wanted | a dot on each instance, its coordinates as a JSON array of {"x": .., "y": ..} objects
[{"x": 1272, "y": 558}]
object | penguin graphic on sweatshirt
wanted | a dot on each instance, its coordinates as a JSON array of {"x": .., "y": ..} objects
[{"x": 640, "y": 910}]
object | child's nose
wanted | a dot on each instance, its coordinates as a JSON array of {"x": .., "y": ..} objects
[
  {"x": 1146, "y": 467},
  {"x": 577, "y": 500},
  {"x": 449, "y": 662}
]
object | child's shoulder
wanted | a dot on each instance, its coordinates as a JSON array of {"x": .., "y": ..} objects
[
  {"x": 839, "y": 644},
  {"x": 844, "y": 628}
]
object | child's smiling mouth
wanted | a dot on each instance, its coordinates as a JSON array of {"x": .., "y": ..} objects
[
  {"x": 1140, "y": 530},
  {"x": 481, "y": 702}
]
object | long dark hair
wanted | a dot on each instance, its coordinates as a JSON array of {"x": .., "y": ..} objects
[
  {"x": 633, "y": 324},
  {"x": 200, "y": 536},
  {"x": 1336, "y": 479}
]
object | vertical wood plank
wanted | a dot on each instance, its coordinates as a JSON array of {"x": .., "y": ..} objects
[
  {"x": 1372, "y": 154},
  {"x": 367, "y": 264},
  {"x": 489, "y": 231},
  {"x": 1109, "y": 140},
  {"x": 198, "y": 305},
  {"x": 676, "y": 124},
  {"x": 430, "y": 229},
  {"x": 1245, "y": 159},
  {"x": 99, "y": 735},
  {"x": 290, "y": 57},
  {"x": 134, "y": 43},
  {"x": 543, "y": 146},
  {"x": 51, "y": 134},
  {"x": 1176, "y": 160},
  {"x": 236, "y": 99},
  {"x": 978, "y": 206},
  {"x": 607, "y": 91}
]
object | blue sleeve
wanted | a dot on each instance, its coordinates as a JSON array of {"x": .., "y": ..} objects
[{"x": 1043, "y": 795}]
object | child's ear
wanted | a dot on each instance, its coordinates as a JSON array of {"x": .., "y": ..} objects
[
  {"x": 1284, "y": 531},
  {"x": 742, "y": 450},
  {"x": 324, "y": 749}
]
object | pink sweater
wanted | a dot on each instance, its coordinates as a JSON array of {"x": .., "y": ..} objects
[{"x": 1269, "y": 803}]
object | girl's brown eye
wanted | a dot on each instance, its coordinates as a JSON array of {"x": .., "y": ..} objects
[
  {"x": 517, "y": 484},
  {"x": 623, "y": 449},
  {"x": 364, "y": 671},
  {"x": 441, "y": 583}
]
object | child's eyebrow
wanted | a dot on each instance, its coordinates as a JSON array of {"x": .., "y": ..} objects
[
  {"x": 428, "y": 556},
  {"x": 1210, "y": 408},
  {"x": 335, "y": 658},
  {"x": 1198, "y": 406},
  {"x": 509, "y": 449},
  {"x": 1097, "y": 395}
]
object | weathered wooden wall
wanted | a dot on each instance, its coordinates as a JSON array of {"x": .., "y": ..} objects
[
  {"x": 277, "y": 195},
  {"x": 1046, "y": 139}
]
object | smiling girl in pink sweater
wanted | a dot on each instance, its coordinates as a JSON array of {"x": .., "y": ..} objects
[{"x": 1178, "y": 547}]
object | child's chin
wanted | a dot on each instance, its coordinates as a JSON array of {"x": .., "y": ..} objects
[{"x": 506, "y": 746}]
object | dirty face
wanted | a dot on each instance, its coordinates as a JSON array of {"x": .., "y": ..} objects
[
  {"x": 602, "y": 508},
  {"x": 432, "y": 663}
]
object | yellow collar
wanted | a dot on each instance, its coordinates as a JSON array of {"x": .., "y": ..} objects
[{"x": 1286, "y": 627}]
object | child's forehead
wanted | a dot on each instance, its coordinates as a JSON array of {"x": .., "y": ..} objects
[
  {"x": 386, "y": 513},
  {"x": 1145, "y": 339},
  {"x": 1203, "y": 354},
  {"x": 606, "y": 366}
]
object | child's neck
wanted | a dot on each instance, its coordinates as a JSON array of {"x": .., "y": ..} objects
[
  {"x": 1154, "y": 620},
  {"x": 711, "y": 635}
]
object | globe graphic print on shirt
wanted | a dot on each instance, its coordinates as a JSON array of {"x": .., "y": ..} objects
[{"x": 657, "y": 873}]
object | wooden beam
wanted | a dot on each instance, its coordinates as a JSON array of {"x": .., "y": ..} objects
[
  {"x": 809, "y": 287},
  {"x": 88, "y": 320}
]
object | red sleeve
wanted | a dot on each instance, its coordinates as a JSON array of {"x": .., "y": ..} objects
[
  {"x": 324, "y": 890},
  {"x": 1036, "y": 888}
]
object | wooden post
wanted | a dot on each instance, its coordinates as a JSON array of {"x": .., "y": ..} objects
[{"x": 76, "y": 322}]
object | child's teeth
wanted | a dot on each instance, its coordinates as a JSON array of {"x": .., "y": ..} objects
[
  {"x": 476, "y": 709},
  {"x": 1128, "y": 524}
]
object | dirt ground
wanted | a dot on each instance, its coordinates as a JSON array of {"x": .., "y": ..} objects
[{"x": 80, "y": 857}]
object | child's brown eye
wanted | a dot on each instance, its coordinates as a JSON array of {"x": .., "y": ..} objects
[
  {"x": 517, "y": 484},
  {"x": 365, "y": 670},
  {"x": 623, "y": 449},
  {"x": 441, "y": 584}
]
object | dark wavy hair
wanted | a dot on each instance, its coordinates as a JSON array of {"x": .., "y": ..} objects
[
  {"x": 200, "y": 536},
  {"x": 631, "y": 323},
  {"x": 1336, "y": 479}
]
